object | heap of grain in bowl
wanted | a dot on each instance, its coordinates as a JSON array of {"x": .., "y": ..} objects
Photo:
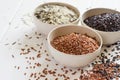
[
  {"x": 75, "y": 44},
  {"x": 109, "y": 22},
  {"x": 55, "y": 14}
]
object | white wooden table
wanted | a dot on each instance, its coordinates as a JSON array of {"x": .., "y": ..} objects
[{"x": 10, "y": 10}]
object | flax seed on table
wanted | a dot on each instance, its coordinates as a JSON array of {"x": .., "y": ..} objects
[
  {"x": 75, "y": 43},
  {"x": 103, "y": 71}
]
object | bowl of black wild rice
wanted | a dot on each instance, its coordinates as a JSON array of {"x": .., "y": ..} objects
[
  {"x": 53, "y": 14},
  {"x": 105, "y": 21}
]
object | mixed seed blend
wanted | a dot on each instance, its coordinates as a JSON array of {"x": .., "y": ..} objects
[{"x": 56, "y": 14}]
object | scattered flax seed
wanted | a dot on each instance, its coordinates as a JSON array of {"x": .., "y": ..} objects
[
  {"x": 47, "y": 59},
  {"x": 41, "y": 43},
  {"x": 60, "y": 75},
  {"x": 52, "y": 57},
  {"x": 66, "y": 71},
  {"x": 34, "y": 67},
  {"x": 26, "y": 57},
  {"x": 31, "y": 75},
  {"x": 74, "y": 73},
  {"x": 70, "y": 70},
  {"x": 7, "y": 44},
  {"x": 30, "y": 38},
  {"x": 45, "y": 51},
  {"x": 38, "y": 44},
  {"x": 56, "y": 78},
  {"x": 47, "y": 54},
  {"x": 27, "y": 61},
  {"x": 38, "y": 51},
  {"x": 21, "y": 53},
  {"x": 26, "y": 45},
  {"x": 36, "y": 33},
  {"x": 12, "y": 56},
  {"x": 9, "y": 23},
  {"x": 38, "y": 64},
  {"x": 42, "y": 75},
  {"x": 13, "y": 43},
  {"x": 30, "y": 58},
  {"x": 19, "y": 43},
  {"x": 64, "y": 67},
  {"x": 33, "y": 48},
  {"x": 30, "y": 67},
  {"x": 51, "y": 72},
  {"x": 56, "y": 64},
  {"x": 78, "y": 69},
  {"x": 47, "y": 65},
  {"x": 24, "y": 21},
  {"x": 22, "y": 49},
  {"x": 37, "y": 37},
  {"x": 39, "y": 73},
  {"x": 15, "y": 66},
  {"x": 45, "y": 71},
  {"x": 26, "y": 35},
  {"x": 18, "y": 68},
  {"x": 33, "y": 58},
  {"x": 26, "y": 67},
  {"x": 55, "y": 69},
  {"x": 25, "y": 74},
  {"x": 38, "y": 78},
  {"x": 64, "y": 75},
  {"x": 38, "y": 55},
  {"x": 30, "y": 63},
  {"x": 40, "y": 47},
  {"x": 39, "y": 34}
]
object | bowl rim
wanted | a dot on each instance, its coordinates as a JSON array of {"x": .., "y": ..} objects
[
  {"x": 49, "y": 44},
  {"x": 87, "y": 11},
  {"x": 69, "y": 6}
]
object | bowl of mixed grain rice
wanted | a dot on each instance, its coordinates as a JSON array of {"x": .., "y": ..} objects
[
  {"x": 105, "y": 21},
  {"x": 53, "y": 14},
  {"x": 73, "y": 45}
]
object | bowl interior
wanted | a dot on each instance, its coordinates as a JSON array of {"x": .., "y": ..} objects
[
  {"x": 72, "y": 28},
  {"x": 62, "y": 4}
]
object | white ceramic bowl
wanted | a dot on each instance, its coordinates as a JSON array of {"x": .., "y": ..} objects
[
  {"x": 108, "y": 37},
  {"x": 73, "y": 60},
  {"x": 44, "y": 27}
]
